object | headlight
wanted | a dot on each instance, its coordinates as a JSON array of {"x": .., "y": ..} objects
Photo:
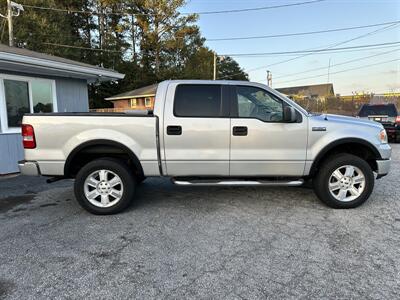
[{"x": 383, "y": 136}]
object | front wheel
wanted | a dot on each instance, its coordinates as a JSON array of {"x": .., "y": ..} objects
[
  {"x": 104, "y": 186},
  {"x": 344, "y": 181}
]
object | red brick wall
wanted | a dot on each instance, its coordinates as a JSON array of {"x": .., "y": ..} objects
[{"x": 121, "y": 104}]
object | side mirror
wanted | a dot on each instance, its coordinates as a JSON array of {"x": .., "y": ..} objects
[{"x": 289, "y": 114}]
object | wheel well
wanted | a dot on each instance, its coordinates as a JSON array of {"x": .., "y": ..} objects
[
  {"x": 362, "y": 150},
  {"x": 90, "y": 151}
]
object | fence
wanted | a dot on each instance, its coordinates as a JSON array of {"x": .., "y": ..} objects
[{"x": 347, "y": 105}]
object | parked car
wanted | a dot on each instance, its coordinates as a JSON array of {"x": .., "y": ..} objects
[
  {"x": 386, "y": 114},
  {"x": 207, "y": 133}
]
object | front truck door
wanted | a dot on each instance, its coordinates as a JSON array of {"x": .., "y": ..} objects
[
  {"x": 261, "y": 143},
  {"x": 197, "y": 130}
]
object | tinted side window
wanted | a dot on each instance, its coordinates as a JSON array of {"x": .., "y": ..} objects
[
  {"x": 256, "y": 103},
  {"x": 198, "y": 100}
]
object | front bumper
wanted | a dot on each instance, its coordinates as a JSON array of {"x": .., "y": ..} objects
[
  {"x": 383, "y": 167},
  {"x": 29, "y": 168},
  {"x": 385, "y": 151}
]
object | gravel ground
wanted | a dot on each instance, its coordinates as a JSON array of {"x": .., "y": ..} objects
[{"x": 203, "y": 242}]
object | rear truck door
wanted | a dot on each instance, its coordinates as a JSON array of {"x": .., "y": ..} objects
[
  {"x": 262, "y": 144},
  {"x": 196, "y": 130}
]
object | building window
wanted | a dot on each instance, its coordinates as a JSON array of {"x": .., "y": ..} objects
[
  {"x": 147, "y": 102},
  {"x": 42, "y": 96},
  {"x": 17, "y": 101},
  {"x": 133, "y": 103},
  {"x": 20, "y": 95}
]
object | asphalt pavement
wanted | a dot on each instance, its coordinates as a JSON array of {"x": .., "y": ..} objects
[{"x": 199, "y": 242}]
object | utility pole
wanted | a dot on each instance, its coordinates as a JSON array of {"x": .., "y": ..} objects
[
  {"x": 327, "y": 87},
  {"x": 329, "y": 69},
  {"x": 215, "y": 66},
  {"x": 269, "y": 78},
  {"x": 9, "y": 16},
  {"x": 10, "y": 24}
]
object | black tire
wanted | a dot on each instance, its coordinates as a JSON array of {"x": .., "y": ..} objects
[
  {"x": 323, "y": 176},
  {"x": 127, "y": 185}
]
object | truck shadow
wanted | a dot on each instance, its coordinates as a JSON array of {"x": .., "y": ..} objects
[{"x": 161, "y": 192}]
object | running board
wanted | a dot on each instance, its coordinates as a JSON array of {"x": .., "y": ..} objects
[{"x": 227, "y": 182}]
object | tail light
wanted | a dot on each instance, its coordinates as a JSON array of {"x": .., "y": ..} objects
[
  {"x": 398, "y": 120},
  {"x": 28, "y": 136}
]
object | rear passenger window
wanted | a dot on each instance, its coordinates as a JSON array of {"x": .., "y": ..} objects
[{"x": 198, "y": 100}]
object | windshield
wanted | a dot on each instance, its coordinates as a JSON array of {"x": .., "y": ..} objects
[{"x": 378, "y": 110}]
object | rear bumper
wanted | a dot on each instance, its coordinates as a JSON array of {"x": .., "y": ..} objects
[
  {"x": 29, "y": 168},
  {"x": 383, "y": 167},
  {"x": 392, "y": 131}
]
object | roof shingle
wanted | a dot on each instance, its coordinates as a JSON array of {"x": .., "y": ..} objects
[{"x": 149, "y": 90}]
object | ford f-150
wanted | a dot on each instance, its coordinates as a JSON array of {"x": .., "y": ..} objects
[{"x": 207, "y": 133}]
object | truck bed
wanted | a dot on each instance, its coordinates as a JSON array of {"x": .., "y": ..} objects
[{"x": 58, "y": 134}]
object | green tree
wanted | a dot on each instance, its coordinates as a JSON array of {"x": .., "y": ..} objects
[
  {"x": 166, "y": 37},
  {"x": 39, "y": 29},
  {"x": 200, "y": 66},
  {"x": 147, "y": 40},
  {"x": 228, "y": 68}
]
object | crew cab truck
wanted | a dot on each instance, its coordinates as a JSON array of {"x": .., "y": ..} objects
[{"x": 207, "y": 133}]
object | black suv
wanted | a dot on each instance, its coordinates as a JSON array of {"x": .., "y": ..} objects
[{"x": 386, "y": 114}]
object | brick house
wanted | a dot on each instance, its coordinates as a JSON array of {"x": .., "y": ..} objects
[{"x": 141, "y": 99}]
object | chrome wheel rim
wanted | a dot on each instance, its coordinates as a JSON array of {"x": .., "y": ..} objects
[
  {"x": 347, "y": 183},
  {"x": 103, "y": 188}
]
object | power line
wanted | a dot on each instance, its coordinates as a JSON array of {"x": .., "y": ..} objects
[
  {"x": 323, "y": 53},
  {"x": 361, "y": 47},
  {"x": 300, "y": 33},
  {"x": 326, "y": 49},
  {"x": 256, "y": 8},
  {"x": 343, "y": 71},
  {"x": 311, "y": 51},
  {"x": 83, "y": 48},
  {"x": 290, "y": 52},
  {"x": 253, "y": 56},
  {"x": 330, "y": 47},
  {"x": 339, "y": 64},
  {"x": 86, "y": 12},
  {"x": 188, "y": 13}
]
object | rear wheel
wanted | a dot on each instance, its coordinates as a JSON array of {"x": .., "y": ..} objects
[
  {"x": 344, "y": 181},
  {"x": 104, "y": 186}
]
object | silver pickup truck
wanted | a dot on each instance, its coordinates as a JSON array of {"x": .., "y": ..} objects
[{"x": 207, "y": 133}]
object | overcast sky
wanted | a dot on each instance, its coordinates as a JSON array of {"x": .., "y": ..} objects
[{"x": 328, "y": 14}]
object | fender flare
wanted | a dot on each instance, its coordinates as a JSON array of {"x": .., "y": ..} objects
[
  {"x": 105, "y": 142},
  {"x": 339, "y": 142}
]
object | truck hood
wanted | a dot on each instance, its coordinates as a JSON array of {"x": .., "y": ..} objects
[{"x": 338, "y": 119}]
